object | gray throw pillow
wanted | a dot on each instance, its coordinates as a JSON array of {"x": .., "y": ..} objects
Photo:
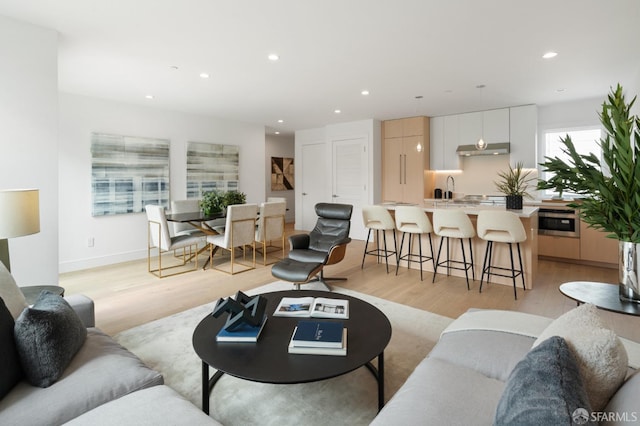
[
  {"x": 48, "y": 335},
  {"x": 10, "y": 369},
  {"x": 545, "y": 388}
]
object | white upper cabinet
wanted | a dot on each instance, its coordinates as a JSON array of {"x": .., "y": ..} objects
[
  {"x": 496, "y": 125},
  {"x": 444, "y": 139},
  {"x": 491, "y": 125},
  {"x": 524, "y": 135}
]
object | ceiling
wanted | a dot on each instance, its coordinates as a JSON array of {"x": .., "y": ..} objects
[{"x": 330, "y": 51}]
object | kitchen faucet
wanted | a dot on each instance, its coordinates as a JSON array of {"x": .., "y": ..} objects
[{"x": 453, "y": 187}]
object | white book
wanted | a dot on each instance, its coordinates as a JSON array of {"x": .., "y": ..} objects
[
  {"x": 320, "y": 351},
  {"x": 316, "y": 307}
]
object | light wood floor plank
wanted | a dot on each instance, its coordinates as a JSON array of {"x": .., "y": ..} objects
[{"x": 126, "y": 295}]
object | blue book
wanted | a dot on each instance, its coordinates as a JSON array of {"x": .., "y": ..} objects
[
  {"x": 244, "y": 333},
  {"x": 318, "y": 334}
]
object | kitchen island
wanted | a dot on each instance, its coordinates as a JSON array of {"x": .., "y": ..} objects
[{"x": 529, "y": 217}]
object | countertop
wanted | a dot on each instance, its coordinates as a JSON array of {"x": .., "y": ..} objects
[{"x": 470, "y": 209}]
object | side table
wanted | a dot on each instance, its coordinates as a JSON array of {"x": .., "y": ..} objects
[
  {"x": 32, "y": 292},
  {"x": 604, "y": 296}
]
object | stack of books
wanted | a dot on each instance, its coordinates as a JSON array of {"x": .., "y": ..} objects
[
  {"x": 319, "y": 338},
  {"x": 246, "y": 333}
]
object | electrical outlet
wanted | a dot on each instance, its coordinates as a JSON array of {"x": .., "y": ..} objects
[{"x": 90, "y": 242}]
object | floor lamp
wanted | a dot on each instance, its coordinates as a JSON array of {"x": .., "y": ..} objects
[{"x": 19, "y": 216}]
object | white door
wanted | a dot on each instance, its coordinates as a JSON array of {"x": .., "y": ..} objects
[
  {"x": 314, "y": 182},
  {"x": 350, "y": 177}
]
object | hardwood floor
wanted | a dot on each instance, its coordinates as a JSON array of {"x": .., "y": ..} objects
[{"x": 126, "y": 295}]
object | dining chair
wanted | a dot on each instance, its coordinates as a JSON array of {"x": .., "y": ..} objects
[
  {"x": 158, "y": 236},
  {"x": 270, "y": 227},
  {"x": 239, "y": 231},
  {"x": 185, "y": 206}
]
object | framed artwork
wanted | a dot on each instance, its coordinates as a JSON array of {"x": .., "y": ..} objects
[
  {"x": 212, "y": 166},
  {"x": 127, "y": 173},
  {"x": 282, "y": 174}
]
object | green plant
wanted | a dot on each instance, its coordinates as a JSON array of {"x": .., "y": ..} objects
[
  {"x": 212, "y": 202},
  {"x": 609, "y": 201},
  {"x": 234, "y": 197},
  {"x": 515, "y": 181}
]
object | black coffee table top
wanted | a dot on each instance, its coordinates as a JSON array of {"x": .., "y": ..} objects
[
  {"x": 268, "y": 360},
  {"x": 604, "y": 296}
]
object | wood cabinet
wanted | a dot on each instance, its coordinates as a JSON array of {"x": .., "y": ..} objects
[
  {"x": 405, "y": 156},
  {"x": 563, "y": 247},
  {"x": 596, "y": 247},
  {"x": 524, "y": 135}
]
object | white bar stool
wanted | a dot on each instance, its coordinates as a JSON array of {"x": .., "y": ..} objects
[
  {"x": 501, "y": 227},
  {"x": 454, "y": 223},
  {"x": 379, "y": 218},
  {"x": 413, "y": 220}
]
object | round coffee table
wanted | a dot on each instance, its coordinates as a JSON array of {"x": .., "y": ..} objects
[
  {"x": 604, "y": 296},
  {"x": 268, "y": 360}
]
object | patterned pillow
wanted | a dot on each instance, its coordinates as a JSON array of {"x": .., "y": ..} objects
[
  {"x": 601, "y": 356},
  {"x": 48, "y": 335},
  {"x": 10, "y": 369},
  {"x": 545, "y": 388}
]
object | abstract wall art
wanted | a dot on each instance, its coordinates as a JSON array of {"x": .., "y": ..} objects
[
  {"x": 282, "y": 174},
  {"x": 212, "y": 167},
  {"x": 127, "y": 173}
]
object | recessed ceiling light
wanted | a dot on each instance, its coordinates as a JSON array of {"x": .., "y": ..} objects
[
  {"x": 273, "y": 57},
  {"x": 149, "y": 96},
  {"x": 365, "y": 93},
  {"x": 337, "y": 111},
  {"x": 204, "y": 75},
  {"x": 277, "y": 133},
  {"x": 281, "y": 121},
  {"x": 549, "y": 55}
]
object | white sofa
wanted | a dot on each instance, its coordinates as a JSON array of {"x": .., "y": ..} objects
[{"x": 463, "y": 378}]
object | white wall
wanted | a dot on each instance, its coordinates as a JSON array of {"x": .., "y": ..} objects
[
  {"x": 280, "y": 146},
  {"x": 124, "y": 237},
  {"x": 29, "y": 141}
]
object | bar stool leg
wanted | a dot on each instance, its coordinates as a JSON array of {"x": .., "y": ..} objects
[
  {"x": 473, "y": 270},
  {"x": 400, "y": 253},
  {"x": 448, "y": 263},
  {"x": 464, "y": 262},
  {"x": 366, "y": 244},
  {"x": 420, "y": 253},
  {"x": 433, "y": 260},
  {"x": 521, "y": 268},
  {"x": 386, "y": 255},
  {"x": 513, "y": 271},
  {"x": 484, "y": 265},
  {"x": 435, "y": 267}
]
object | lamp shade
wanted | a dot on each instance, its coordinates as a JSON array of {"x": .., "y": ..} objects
[{"x": 19, "y": 212}]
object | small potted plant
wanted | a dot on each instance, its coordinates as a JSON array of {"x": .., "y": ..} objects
[
  {"x": 234, "y": 197},
  {"x": 212, "y": 202},
  {"x": 514, "y": 183}
]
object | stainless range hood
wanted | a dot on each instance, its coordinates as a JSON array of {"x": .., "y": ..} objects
[{"x": 492, "y": 149}]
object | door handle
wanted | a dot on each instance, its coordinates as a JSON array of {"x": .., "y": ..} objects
[
  {"x": 400, "y": 168},
  {"x": 405, "y": 169}
]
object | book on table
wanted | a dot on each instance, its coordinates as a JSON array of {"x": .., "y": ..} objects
[
  {"x": 319, "y": 338},
  {"x": 316, "y": 307},
  {"x": 244, "y": 333}
]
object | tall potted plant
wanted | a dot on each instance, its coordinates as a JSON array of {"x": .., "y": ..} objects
[
  {"x": 609, "y": 201},
  {"x": 514, "y": 183}
]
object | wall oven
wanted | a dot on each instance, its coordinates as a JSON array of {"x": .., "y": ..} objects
[{"x": 559, "y": 222}]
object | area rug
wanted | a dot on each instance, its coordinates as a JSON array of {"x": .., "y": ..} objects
[{"x": 351, "y": 399}]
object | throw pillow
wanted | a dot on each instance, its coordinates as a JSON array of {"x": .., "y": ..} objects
[
  {"x": 10, "y": 292},
  {"x": 545, "y": 388},
  {"x": 10, "y": 370},
  {"x": 602, "y": 358},
  {"x": 48, "y": 335}
]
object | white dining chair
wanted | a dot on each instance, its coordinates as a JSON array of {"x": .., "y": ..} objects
[
  {"x": 158, "y": 237},
  {"x": 239, "y": 232},
  {"x": 270, "y": 228}
]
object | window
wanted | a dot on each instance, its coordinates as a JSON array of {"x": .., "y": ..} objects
[{"x": 585, "y": 139}]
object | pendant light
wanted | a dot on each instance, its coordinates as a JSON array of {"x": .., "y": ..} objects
[
  {"x": 481, "y": 145},
  {"x": 419, "y": 102}
]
